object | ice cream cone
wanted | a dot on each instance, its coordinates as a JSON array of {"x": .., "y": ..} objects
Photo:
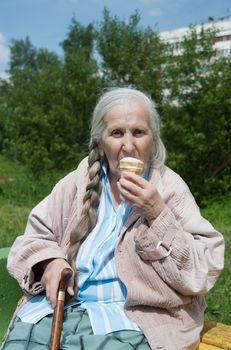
[{"x": 130, "y": 164}]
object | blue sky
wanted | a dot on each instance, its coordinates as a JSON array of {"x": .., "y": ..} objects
[{"x": 46, "y": 22}]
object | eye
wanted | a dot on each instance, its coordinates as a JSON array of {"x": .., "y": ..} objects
[
  {"x": 116, "y": 133},
  {"x": 138, "y": 132}
]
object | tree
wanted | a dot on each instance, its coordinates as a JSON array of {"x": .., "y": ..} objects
[
  {"x": 130, "y": 55},
  {"x": 79, "y": 38},
  {"x": 22, "y": 55},
  {"x": 49, "y": 103},
  {"x": 197, "y": 115},
  {"x": 81, "y": 80},
  {"x": 45, "y": 108},
  {"x": 3, "y": 93},
  {"x": 34, "y": 88}
]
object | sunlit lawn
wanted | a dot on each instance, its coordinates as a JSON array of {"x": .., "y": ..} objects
[{"x": 19, "y": 192}]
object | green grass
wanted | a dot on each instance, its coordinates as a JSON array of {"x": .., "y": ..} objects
[
  {"x": 219, "y": 298},
  {"x": 12, "y": 222},
  {"x": 20, "y": 191},
  {"x": 10, "y": 293}
]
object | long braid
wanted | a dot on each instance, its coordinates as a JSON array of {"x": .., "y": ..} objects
[{"x": 88, "y": 216}]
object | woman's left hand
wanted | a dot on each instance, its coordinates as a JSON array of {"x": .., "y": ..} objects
[{"x": 142, "y": 195}]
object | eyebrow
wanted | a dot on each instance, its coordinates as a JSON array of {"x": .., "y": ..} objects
[{"x": 117, "y": 126}]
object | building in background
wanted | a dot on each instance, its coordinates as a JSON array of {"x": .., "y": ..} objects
[{"x": 222, "y": 43}]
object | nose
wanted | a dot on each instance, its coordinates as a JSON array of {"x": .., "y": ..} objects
[{"x": 128, "y": 144}]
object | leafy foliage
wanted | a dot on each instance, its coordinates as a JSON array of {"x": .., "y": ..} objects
[
  {"x": 46, "y": 106},
  {"x": 130, "y": 55},
  {"x": 197, "y": 116},
  {"x": 81, "y": 82}
]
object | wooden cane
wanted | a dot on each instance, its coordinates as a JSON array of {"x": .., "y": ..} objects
[{"x": 57, "y": 320}]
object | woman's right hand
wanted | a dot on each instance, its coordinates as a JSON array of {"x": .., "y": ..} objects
[{"x": 51, "y": 278}]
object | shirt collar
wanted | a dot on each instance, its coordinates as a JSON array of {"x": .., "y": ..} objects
[{"x": 104, "y": 169}]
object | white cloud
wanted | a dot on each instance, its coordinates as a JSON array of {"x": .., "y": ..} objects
[
  {"x": 4, "y": 75},
  {"x": 73, "y": 2},
  {"x": 161, "y": 3},
  {"x": 154, "y": 13},
  {"x": 4, "y": 50},
  {"x": 4, "y": 57},
  {"x": 150, "y": 2},
  {"x": 145, "y": 2}
]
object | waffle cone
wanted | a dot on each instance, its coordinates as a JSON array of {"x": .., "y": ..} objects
[{"x": 131, "y": 165}]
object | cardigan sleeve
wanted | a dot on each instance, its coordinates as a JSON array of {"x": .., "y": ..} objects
[
  {"x": 44, "y": 235},
  {"x": 183, "y": 247}
]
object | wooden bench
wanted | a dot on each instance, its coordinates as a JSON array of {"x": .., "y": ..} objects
[{"x": 215, "y": 336}]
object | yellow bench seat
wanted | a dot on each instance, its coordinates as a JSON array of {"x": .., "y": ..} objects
[{"x": 215, "y": 336}]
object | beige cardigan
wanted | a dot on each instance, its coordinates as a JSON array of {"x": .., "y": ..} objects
[{"x": 167, "y": 268}]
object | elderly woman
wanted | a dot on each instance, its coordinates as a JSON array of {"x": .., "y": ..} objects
[{"x": 142, "y": 255}]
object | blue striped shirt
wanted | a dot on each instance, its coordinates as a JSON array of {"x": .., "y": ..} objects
[{"x": 100, "y": 290}]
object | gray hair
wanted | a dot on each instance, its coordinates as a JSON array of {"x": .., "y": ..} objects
[{"x": 114, "y": 97}]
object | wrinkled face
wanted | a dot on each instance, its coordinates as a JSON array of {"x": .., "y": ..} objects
[{"x": 127, "y": 134}]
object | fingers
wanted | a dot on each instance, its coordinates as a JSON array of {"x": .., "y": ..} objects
[
  {"x": 132, "y": 187},
  {"x": 52, "y": 290},
  {"x": 126, "y": 194},
  {"x": 70, "y": 286},
  {"x": 70, "y": 290},
  {"x": 133, "y": 178},
  {"x": 51, "y": 279},
  {"x": 142, "y": 195}
]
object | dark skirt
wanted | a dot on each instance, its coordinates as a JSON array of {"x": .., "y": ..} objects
[{"x": 76, "y": 334}]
